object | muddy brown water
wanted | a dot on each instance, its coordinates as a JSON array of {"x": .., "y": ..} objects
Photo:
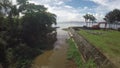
[{"x": 55, "y": 58}]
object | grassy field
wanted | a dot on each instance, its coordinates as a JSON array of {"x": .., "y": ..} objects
[
  {"x": 107, "y": 41},
  {"x": 74, "y": 54}
]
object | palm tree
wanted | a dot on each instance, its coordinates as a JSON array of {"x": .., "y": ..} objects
[
  {"x": 86, "y": 17},
  {"x": 92, "y": 18},
  {"x": 89, "y": 18}
]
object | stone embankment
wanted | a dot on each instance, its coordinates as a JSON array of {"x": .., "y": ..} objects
[{"x": 88, "y": 51}]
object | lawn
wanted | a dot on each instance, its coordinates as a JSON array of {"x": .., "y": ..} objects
[
  {"x": 107, "y": 42},
  {"x": 74, "y": 54}
]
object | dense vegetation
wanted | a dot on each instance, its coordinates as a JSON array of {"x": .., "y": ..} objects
[
  {"x": 107, "y": 41},
  {"x": 74, "y": 54},
  {"x": 113, "y": 17},
  {"x": 25, "y": 30}
]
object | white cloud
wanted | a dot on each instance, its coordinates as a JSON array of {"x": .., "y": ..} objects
[
  {"x": 69, "y": 13},
  {"x": 110, "y": 4},
  {"x": 104, "y": 6},
  {"x": 59, "y": 3},
  {"x": 64, "y": 12},
  {"x": 101, "y": 2},
  {"x": 13, "y": 1}
]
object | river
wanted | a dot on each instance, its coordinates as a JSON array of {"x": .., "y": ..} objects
[{"x": 55, "y": 58}]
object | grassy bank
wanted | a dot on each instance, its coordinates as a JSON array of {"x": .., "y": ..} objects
[
  {"x": 74, "y": 54},
  {"x": 107, "y": 41}
]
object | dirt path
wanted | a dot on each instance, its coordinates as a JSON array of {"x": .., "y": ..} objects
[{"x": 55, "y": 58}]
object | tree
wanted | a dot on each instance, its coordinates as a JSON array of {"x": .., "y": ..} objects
[
  {"x": 4, "y": 11},
  {"x": 5, "y": 6},
  {"x": 89, "y": 18},
  {"x": 92, "y": 19},
  {"x": 86, "y": 17},
  {"x": 36, "y": 26},
  {"x": 33, "y": 28},
  {"x": 112, "y": 17}
]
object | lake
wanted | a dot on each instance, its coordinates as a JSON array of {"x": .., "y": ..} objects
[
  {"x": 70, "y": 24},
  {"x": 80, "y": 24}
]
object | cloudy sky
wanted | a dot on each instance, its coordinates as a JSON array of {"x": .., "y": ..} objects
[{"x": 73, "y": 10}]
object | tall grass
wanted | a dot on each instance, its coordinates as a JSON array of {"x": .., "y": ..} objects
[
  {"x": 108, "y": 42},
  {"x": 74, "y": 54}
]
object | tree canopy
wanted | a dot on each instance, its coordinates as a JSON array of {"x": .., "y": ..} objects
[
  {"x": 25, "y": 30},
  {"x": 89, "y": 17},
  {"x": 113, "y": 16}
]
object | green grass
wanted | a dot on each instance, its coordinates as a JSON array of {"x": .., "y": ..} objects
[
  {"x": 108, "y": 42},
  {"x": 74, "y": 54}
]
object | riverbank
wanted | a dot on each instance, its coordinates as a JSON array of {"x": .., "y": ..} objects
[
  {"x": 90, "y": 50},
  {"x": 75, "y": 56},
  {"x": 106, "y": 41}
]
